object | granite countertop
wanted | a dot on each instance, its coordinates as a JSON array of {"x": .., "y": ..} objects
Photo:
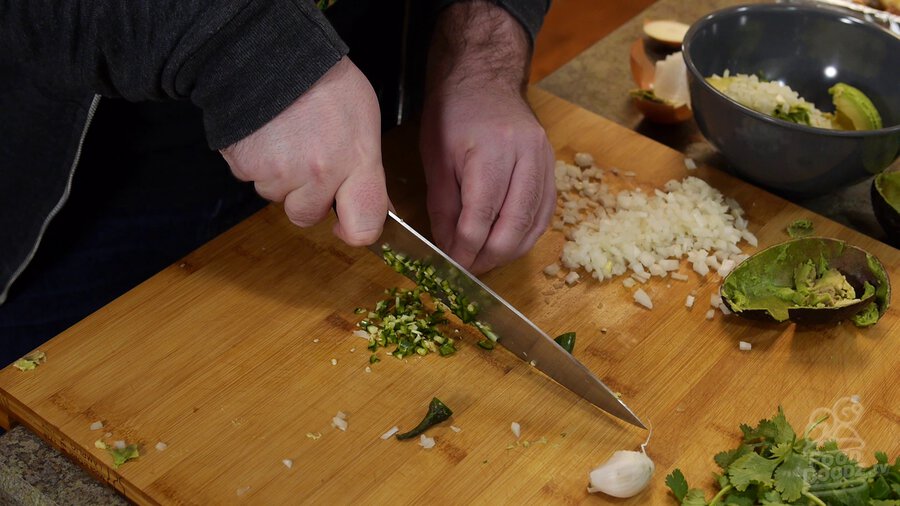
[
  {"x": 599, "y": 80},
  {"x": 33, "y": 473}
]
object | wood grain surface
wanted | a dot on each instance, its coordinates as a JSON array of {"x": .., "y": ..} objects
[{"x": 226, "y": 356}]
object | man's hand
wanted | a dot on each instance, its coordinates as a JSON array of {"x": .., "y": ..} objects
[
  {"x": 488, "y": 163},
  {"x": 324, "y": 148}
]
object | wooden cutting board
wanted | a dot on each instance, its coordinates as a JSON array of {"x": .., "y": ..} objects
[{"x": 227, "y": 357}]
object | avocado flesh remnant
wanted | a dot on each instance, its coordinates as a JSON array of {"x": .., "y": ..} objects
[
  {"x": 812, "y": 287},
  {"x": 853, "y": 109},
  {"x": 784, "y": 277},
  {"x": 888, "y": 185}
]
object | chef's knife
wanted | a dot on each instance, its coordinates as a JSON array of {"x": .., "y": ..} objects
[{"x": 516, "y": 332}]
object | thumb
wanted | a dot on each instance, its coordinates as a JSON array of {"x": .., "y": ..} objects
[{"x": 361, "y": 204}]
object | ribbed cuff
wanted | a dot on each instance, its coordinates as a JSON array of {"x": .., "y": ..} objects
[
  {"x": 529, "y": 13},
  {"x": 259, "y": 63}
]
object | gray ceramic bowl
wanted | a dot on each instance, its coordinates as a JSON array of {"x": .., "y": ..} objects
[{"x": 809, "y": 49}]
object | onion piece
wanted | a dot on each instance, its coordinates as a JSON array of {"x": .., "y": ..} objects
[
  {"x": 516, "y": 429},
  {"x": 288, "y": 463},
  {"x": 689, "y": 302},
  {"x": 97, "y": 425},
  {"x": 745, "y": 346},
  {"x": 641, "y": 297},
  {"x": 340, "y": 421},
  {"x": 393, "y": 430},
  {"x": 426, "y": 442},
  {"x": 160, "y": 446}
]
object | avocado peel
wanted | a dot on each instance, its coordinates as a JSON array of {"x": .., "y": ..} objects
[
  {"x": 886, "y": 204},
  {"x": 809, "y": 280}
]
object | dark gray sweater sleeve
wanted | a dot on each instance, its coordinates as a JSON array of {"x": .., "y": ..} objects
[
  {"x": 241, "y": 61},
  {"x": 530, "y": 13}
]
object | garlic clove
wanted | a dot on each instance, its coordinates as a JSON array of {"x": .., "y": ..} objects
[{"x": 625, "y": 474}]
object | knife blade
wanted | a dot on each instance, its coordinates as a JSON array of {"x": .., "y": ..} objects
[{"x": 516, "y": 332}]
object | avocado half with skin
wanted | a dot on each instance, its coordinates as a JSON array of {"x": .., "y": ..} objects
[
  {"x": 764, "y": 287},
  {"x": 886, "y": 204}
]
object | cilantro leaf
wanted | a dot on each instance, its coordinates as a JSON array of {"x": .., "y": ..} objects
[
  {"x": 751, "y": 468},
  {"x": 772, "y": 498},
  {"x": 789, "y": 477},
  {"x": 784, "y": 433},
  {"x": 774, "y": 431},
  {"x": 677, "y": 484},
  {"x": 782, "y": 450},
  {"x": 726, "y": 458},
  {"x": 694, "y": 497}
]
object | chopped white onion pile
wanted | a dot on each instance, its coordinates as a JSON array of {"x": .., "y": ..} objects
[
  {"x": 97, "y": 425},
  {"x": 119, "y": 445},
  {"x": 516, "y": 429},
  {"x": 393, "y": 430},
  {"x": 339, "y": 421},
  {"x": 160, "y": 446},
  {"x": 609, "y": 234},
  {"x": 745, "y": 346},
  {"x": 584, "y": 160},
  {"x": 454, "y": 428},
  {"x": 641, "y": 297},
  {"x": 426, "y": 442},
  {"x": 288, "y": 463}
]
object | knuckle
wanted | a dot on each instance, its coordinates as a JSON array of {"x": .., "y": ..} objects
[
  {"x": 303, "y": 216},
  {"x": 520, "y": 223}
]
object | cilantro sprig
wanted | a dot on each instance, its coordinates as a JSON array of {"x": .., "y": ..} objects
[{"x": 774, "y": 465}]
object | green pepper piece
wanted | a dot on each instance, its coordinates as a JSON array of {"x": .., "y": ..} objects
[
  {"x": 486, "y": 344},
  {"x": 567, "y": 341},
  {"x": 437, "y": 413}
]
